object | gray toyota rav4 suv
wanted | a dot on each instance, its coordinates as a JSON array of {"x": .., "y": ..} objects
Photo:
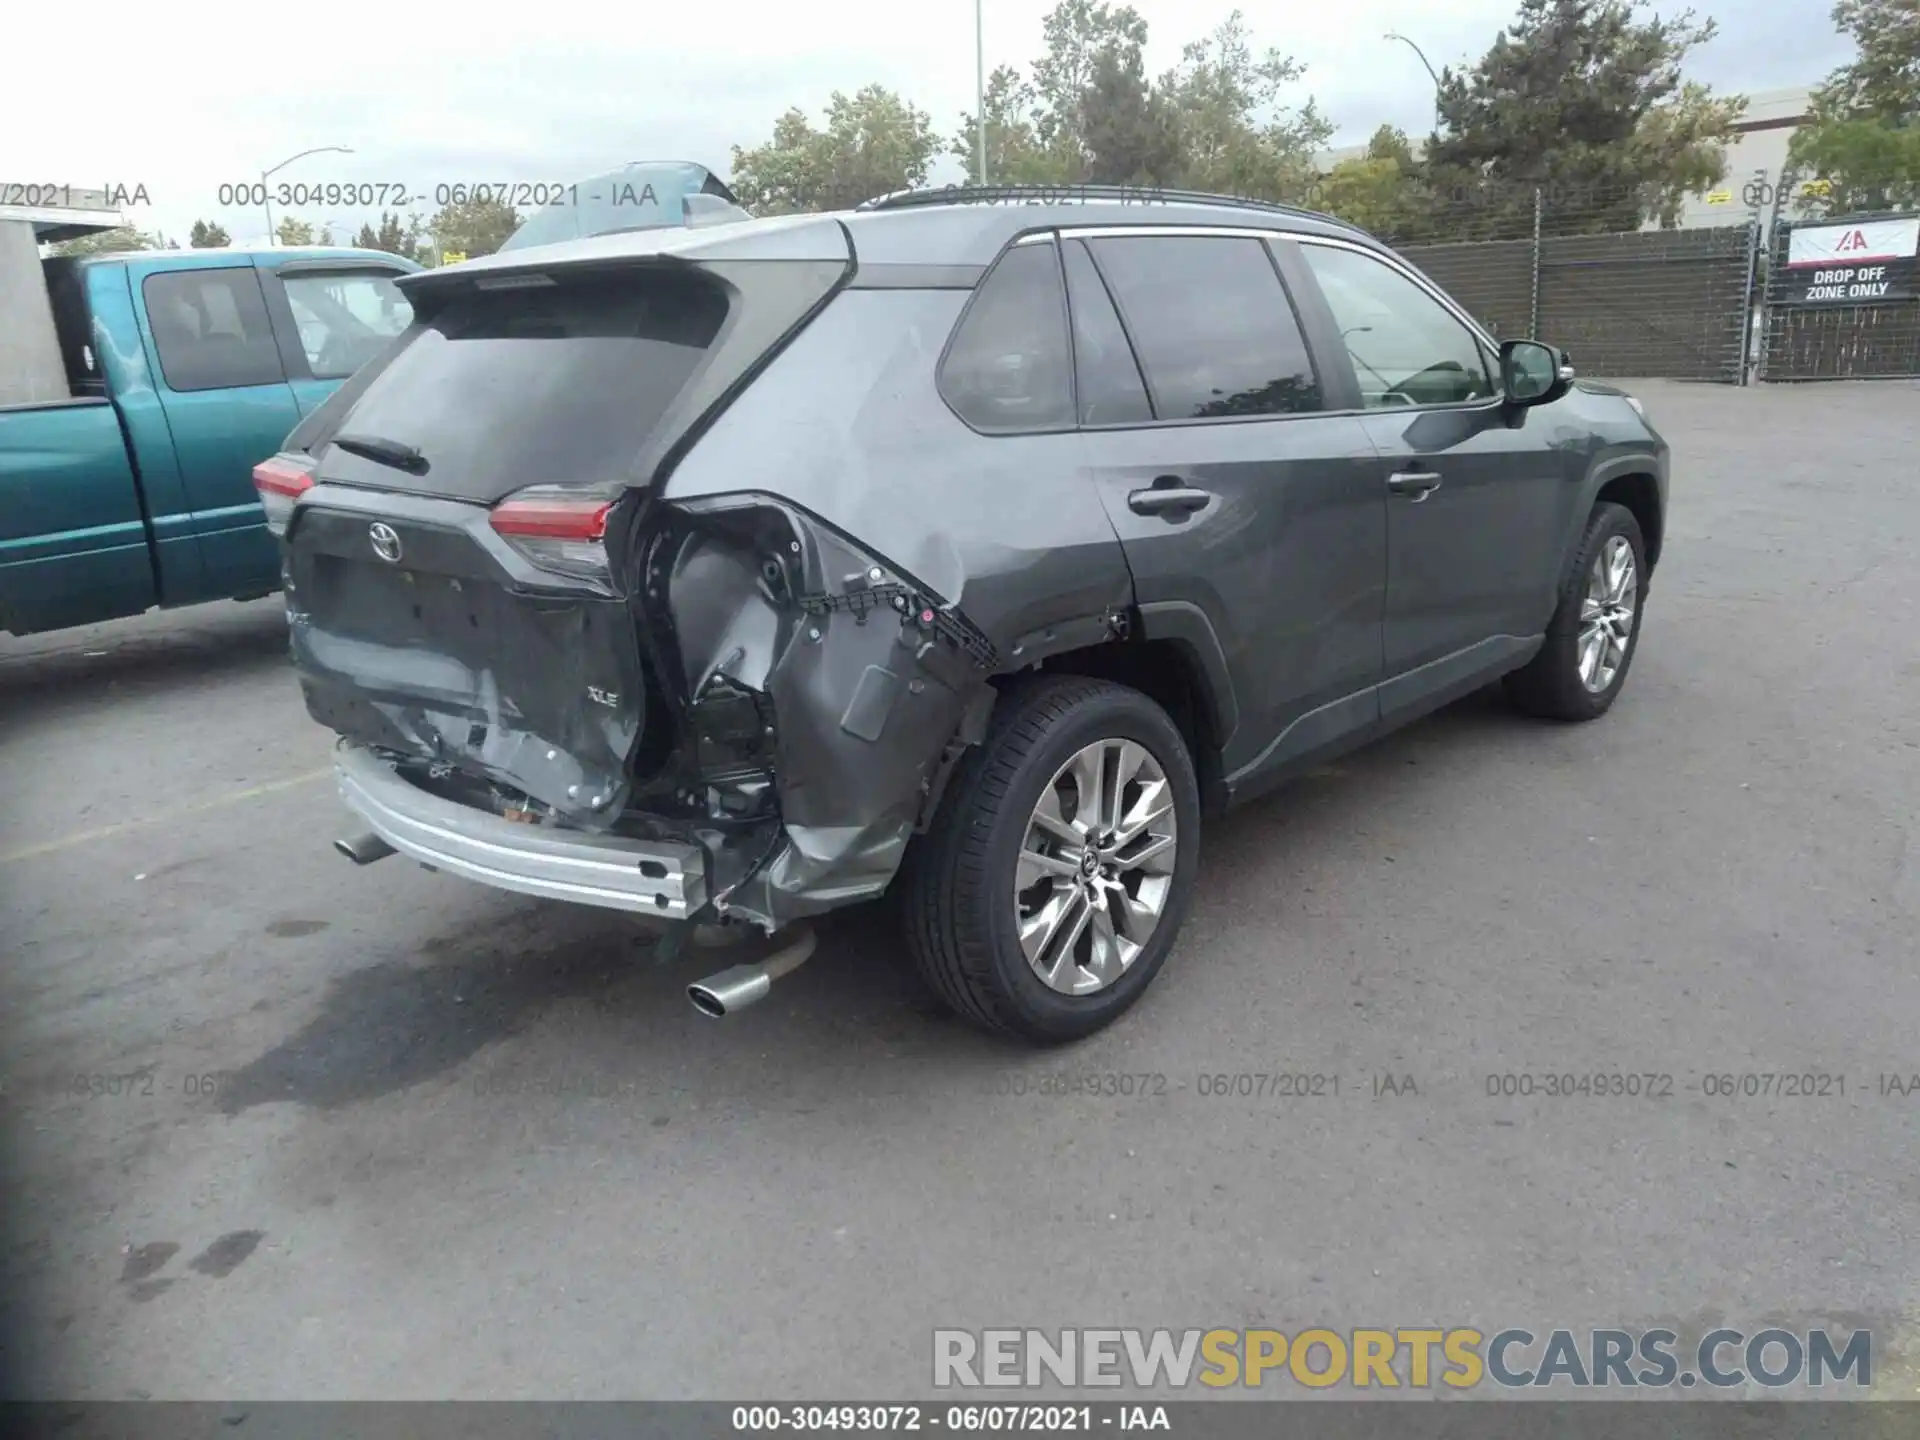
[{"x": 968, "y": 550}]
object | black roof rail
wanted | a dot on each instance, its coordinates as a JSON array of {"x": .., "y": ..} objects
[{"x": 1068, "y": 194}]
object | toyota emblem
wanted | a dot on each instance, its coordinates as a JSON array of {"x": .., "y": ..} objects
[{"x": 386, "y": 541}]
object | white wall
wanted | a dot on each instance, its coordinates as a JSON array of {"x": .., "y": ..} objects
[{"x": 31, "y": 370}]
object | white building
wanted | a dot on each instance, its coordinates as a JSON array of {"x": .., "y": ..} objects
[{"x": 1756, "y": 160}]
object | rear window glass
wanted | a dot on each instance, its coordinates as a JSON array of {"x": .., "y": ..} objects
[
  {"x": 560, "y": 384},
  {"x": 1009, "y": 368}
]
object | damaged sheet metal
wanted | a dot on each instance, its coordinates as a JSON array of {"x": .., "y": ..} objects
[
  {"x": 865, "y": 677},
  {"x": 439, "y": 659},
  {"x": 872, "y": 719}
]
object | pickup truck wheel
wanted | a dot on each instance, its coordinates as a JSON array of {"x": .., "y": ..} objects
[
  {"x": 1595, "y": 627},
  {"x": 1057, "y": 871}
]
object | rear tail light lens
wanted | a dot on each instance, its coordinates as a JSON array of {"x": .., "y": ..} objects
[
  {"x": 560, "y": 531},
  {"x": 281, "y": 482}
]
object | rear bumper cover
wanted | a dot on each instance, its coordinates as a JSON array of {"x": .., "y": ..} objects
[{"x": 648, "y": 877}]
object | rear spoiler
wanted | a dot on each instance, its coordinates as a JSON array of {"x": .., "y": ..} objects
[{"x": 818, "y": 238}]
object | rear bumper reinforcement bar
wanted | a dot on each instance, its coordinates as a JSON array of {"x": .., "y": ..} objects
[{"x": 648, "y": 877}]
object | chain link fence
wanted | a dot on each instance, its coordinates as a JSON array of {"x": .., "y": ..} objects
[{"x": 1572, "y": 266}]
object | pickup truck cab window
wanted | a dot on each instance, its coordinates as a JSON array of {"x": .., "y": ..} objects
[
  {"x": 345, "y": 319},
  {"x": 210, "y": 327}
]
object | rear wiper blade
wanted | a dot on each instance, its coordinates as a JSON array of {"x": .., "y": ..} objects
[{"x": 397, "y": 453}]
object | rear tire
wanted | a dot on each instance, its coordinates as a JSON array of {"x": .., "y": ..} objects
[
  {"x": 1579, "y": 671},
  {"x": 998, "y": 862}
]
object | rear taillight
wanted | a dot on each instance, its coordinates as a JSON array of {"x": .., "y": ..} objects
[
  {"x": 561, "y": 531},
  {"x": 281, "y": 482}
]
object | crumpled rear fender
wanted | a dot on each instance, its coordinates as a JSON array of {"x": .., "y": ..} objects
[{"x": 859, "y": 677}]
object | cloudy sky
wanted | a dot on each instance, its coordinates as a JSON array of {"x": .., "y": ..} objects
[{"x": 428, "y": 94}]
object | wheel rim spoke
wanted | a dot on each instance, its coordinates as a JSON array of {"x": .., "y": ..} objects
[
  {"x": 1060, "y": 971},
  {"x": 1590, "y": 656},
  {"x": 1156, "y": 801},
  {"x": 1088, "y": 769},
  {"x": 1128, "y": 760},
  {"x": 1047, "y": 817},
  {"x": 1039, "y": 931},
  {"x": 1103, "y": 959},
  {"x": 1154, "y": 855},
  {"x": 1036, "y": 865}
]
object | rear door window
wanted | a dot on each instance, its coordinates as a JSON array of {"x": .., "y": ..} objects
[
  {"x": 1211, "y": 324},
  {"x": 1107, "y": 376},
  {"x": 345, "y": 319},
  {"x": 556, "y": 383},
  {"x": 1007, "y": 369},
  {"x": 210, "y": 329}
]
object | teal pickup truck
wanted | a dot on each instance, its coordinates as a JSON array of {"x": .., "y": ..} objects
[{"x": 185, "y": 368}]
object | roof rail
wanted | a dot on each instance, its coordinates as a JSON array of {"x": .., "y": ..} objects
[{"x": 1070, "y": 194}]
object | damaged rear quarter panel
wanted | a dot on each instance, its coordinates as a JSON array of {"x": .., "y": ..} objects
[
  {"x": 456, "y": 658},
  {"x": 846, "y": 437}
]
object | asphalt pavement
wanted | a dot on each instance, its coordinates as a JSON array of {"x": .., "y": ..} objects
[{"x": 281, "y": 1127}]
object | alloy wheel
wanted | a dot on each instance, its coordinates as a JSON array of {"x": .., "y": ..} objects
[
  {"x": 1606, "y": 614},
  {"x": 1096, "y": 866}
]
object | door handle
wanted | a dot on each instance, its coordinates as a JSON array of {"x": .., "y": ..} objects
[
  {"x": 1417, "y": 483},
  {"x": 1169, "y": 495}
]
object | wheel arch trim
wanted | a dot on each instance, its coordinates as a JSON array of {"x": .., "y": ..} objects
[{"x": 1185, "y": 624}]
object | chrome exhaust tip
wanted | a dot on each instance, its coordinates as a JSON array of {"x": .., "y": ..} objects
[
  {"x": 364, "y": 849},
  {"x": 730, "y": 990},
  {"x": 739, "y": 986}
]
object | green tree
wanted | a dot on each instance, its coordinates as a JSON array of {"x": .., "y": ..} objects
[
  {"x": 207, "y": 235},
  {"x": 1380, "y": 191},
  {"x": 292, "y": 232},
  {"x": 1862, "y": 144},
  {"x": 1081, "y": 37},
  {"x": 1015, "y": 154},
  {"x": 1585, "y": 100},
  {"x": 473, "y": 227},
  {"x": 873, "y": 142},
  {"x": 391, "y": 236},
  {"x": 1130, "y": 134},
  {"x": 1235, "y": 137},
  {"x": 1089, "y": 112},
  {"x": 108, "y": 242}
]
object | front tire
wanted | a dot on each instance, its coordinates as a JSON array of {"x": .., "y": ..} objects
[
  {"x": 1595, "y": 629},
  {"x": 1048, "y": 890}
]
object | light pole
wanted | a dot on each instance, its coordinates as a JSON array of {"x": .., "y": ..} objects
[
  {"x": 980, "y": 91},
  {"x": 1391, "y": 35},
  {"x": 266, "y": 197}
]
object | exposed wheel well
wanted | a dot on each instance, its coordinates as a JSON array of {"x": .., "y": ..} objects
[
  {"x": 1165, "y": 672},
  {"x": 1641, "y": 495}
]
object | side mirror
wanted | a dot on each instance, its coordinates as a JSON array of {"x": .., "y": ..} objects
[{"x": 1532, "y": 373}]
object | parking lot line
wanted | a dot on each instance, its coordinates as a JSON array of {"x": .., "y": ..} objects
[{"x": 104, "y": 832}]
